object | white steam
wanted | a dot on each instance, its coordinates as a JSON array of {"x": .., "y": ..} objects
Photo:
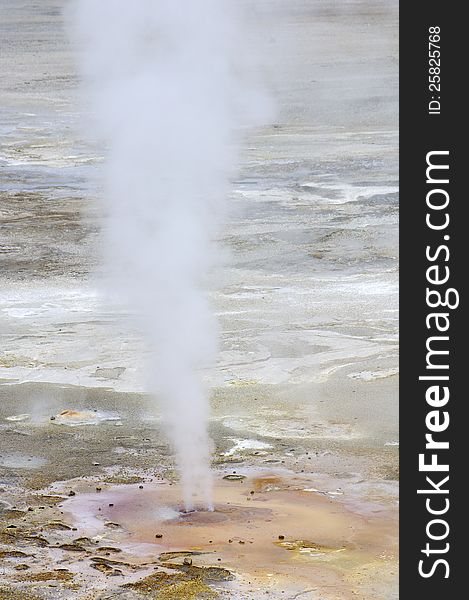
[{"x": 171, "y": 86}]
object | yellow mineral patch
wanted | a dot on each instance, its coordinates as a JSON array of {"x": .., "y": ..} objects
[
  {"x": 13, "y": 554},
  {"x": 173, "y": 586},
  {"x": 243, "y": 382},
  {"x": 57, "y": 525},
  {"x": 56, "y": 575},
  {"x": 165, "y": 556},
  {"x": 103, "y": 568},
  {"x": 72, "y": 547},
  {"x": 308, "y": 548},
  {"x": 12, "y": 513},
  {"x": 108, "y": 549},
  {"x": 188, "y": 590},
  {"x": 123, "y": 479},
  {"x": 8, "y": 593},
  {"x": 205, "y": 574}
]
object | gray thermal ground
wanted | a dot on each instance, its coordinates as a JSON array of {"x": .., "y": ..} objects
[{"x": 294, "y": 318}]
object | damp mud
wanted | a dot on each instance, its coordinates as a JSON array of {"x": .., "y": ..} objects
[
  {"x": 97, "y": 511},
  {"x": 273, "y": 532}
]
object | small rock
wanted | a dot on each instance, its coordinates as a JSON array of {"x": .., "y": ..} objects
[
  {"x": 71, "y": 493},
  {"x": 158, "y": 535},
  {"x": 98, "y": 489},
  {"x": 281, "y": 537},
  {"x": 187, "y": 561}
]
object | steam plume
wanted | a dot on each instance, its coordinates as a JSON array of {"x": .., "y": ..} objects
[{"x": 171, "y": 87}]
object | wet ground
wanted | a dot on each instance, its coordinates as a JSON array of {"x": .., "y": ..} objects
[
  {"x": 88, "y": 488},
  {"x": 304, "y": 395}
]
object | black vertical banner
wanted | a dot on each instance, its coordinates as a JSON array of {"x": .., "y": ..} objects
[{"x": 434, "y": 356}]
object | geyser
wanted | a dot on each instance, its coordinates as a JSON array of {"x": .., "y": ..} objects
[{"x": 171, "y": 85}]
